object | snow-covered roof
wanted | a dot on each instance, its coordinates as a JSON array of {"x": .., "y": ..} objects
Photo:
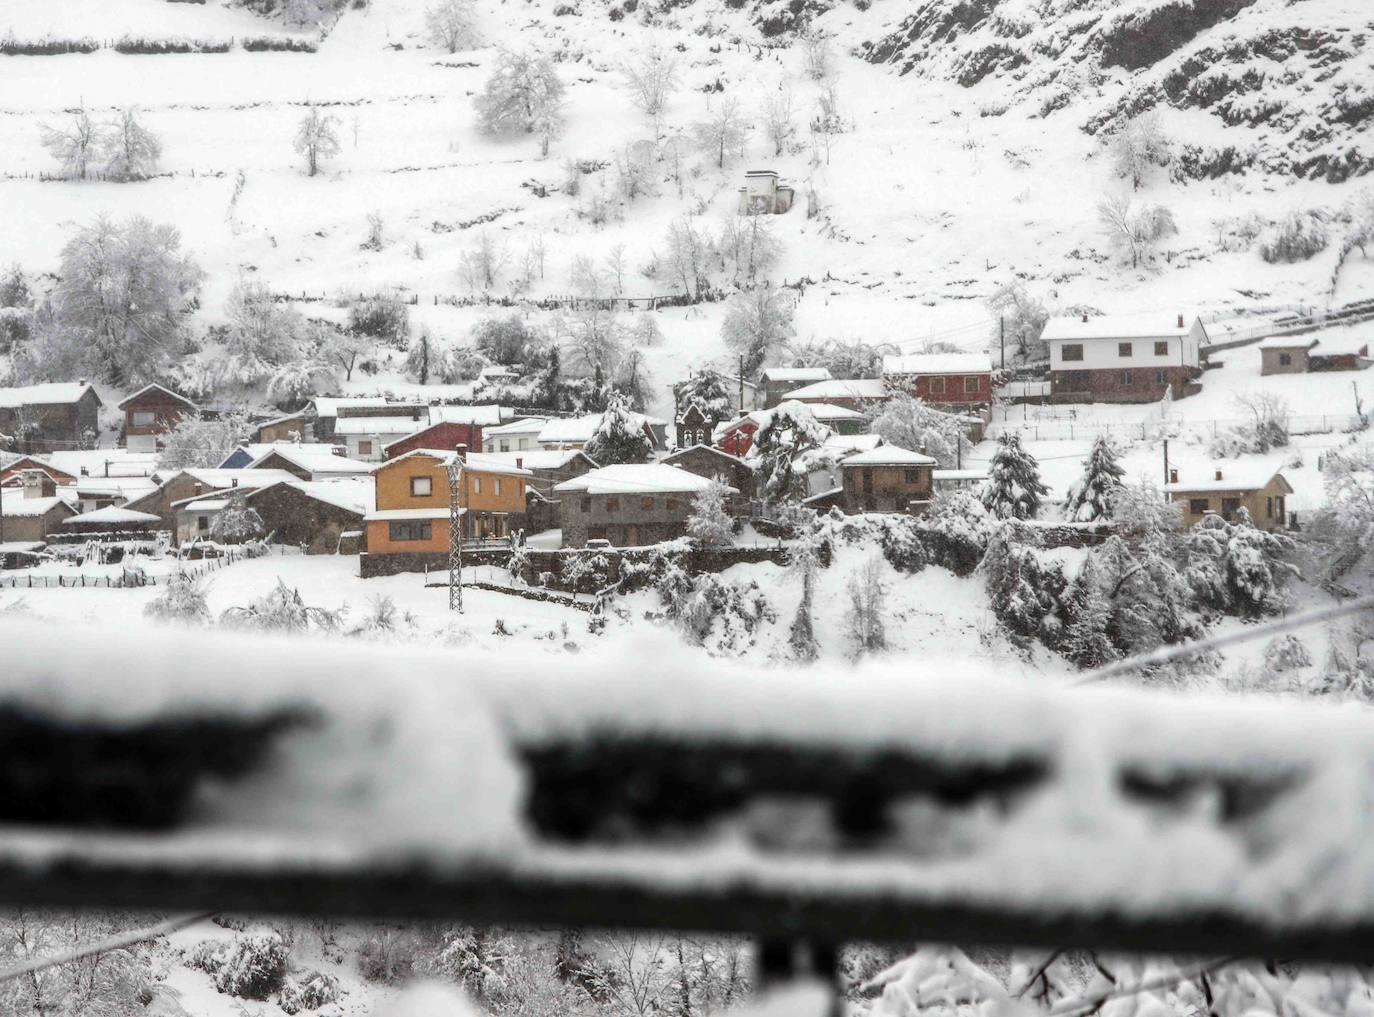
[
  {"x": 313, "y": 461},
  {"x": 539, "y": 459},
  {"x": 937, "y": 363},
  {"x": 842, "y": 388},
  {"x": 398, "y": 515},
  {"x": 201, "y": 504},
  {"x": 705, "y": 448},
  {"x": 888, "y": 455},
  {"x": 379, "y": 425},
  {"x": 1153, "y": 325},
  {"x": 802, "y": 375},
  {"x": 99, "y": 462},
  {"x": 29, "y": 508},
  {"x": 636, "y": 478},
  {"x": 486, "y": 416},
  {"x": 155, "y": 387},
  {"x": 122, "y": 487},
  {"x": 957, "y": 475},
  {"x": 329, "y": 406},
  {"x": 829, "y": 411},
  {"x": 1236, "y": 475},
  {"x": 525, "y": 425},
  {"x": 569, "y": 430},
  {"x": 840, "y": 444},
  {"x": 112, "y": 515},
  {"x": 246, "y": 477},
  {"x": 352, "y": 494},
  {"x": 1287, "y": 342},
  {"x": 50, "y": 393},
  {"x": 473, "y": 462},
  {"x": 1341, "y": 345}
]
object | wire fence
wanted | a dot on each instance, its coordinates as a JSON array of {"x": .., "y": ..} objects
[
  {"x": 128, "y": 578},
  {"x": 1072, "y": 429}
]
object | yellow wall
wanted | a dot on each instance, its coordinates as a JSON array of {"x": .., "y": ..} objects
[
  {"x": 379, "y": 538},
  {"x": 1256, "y": 502},
  {"x": 393, "y": 492}
]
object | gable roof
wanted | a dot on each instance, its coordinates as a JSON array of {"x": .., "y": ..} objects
[
  {"x": 378, "y": 425},
  {"x": 937, "y": 363},
  {"x": 1236, "y": 475},
  {"x": 314, "y": 461},
  {"x": 525, "y": 425},
  {"x": 34, "y": 463},
  {"x": 352, "y": 494},
  {"x": 888, "y": 455},
  {"x": 842, "y": 388},
  {"x": 473, "y": 462},
  {"x": 113, "y": 515},
  {"x": 31, "y": 508},
  {"x": 218, "y": 477},
  {"x": 637, "y": 478},
  {"x": 541, "y": 458},
  {"x": 155, "y": 387},
  {"x": 484, "y": 416},
  {"x": 801, "y": 375},
  {"x": 52, "y": 393},
  {"x": 735, "y": 460},
  {"x": 1151, "y": 325}
]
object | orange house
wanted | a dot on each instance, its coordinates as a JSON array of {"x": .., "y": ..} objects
[{"x": 412, "y": 513}]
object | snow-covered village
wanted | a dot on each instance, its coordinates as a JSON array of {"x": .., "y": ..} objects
[{"x": 662, "y": 508}]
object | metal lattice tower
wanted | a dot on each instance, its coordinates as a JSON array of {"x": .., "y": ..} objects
[{"x": 455, "y": 535}]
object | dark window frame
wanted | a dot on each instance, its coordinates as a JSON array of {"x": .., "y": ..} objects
[{"x": 1071, "y": 352}]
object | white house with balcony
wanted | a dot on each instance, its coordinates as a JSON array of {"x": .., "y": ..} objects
[{"x": 1123, "y": 358}]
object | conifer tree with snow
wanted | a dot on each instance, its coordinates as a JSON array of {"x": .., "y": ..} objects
[
  {"x": 236, "y": 522},
  {"x": 709, "y": 523},
  {"x": 1090, "y": 498},
  {"x": 785, "y": 432},
  {"x": 1088, "y": 641},
  {"x": 619, "y": 437},
  {"x": 1013, "y": 489},
  {"x": 803, "y": 563}
]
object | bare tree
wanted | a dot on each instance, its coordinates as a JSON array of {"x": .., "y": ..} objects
[
  {"x": 586, "y": 278},
  {"x": 316, "y": 139},
  {"x": 749, "y": 246},
  {"x": 675, "y": 150},
  {"x": 1134, "y": 231},
  {"x": 452, "y": 24},
  {"x": 818, "y": 56},
  {"x": 867, "y": 594},
  {"x": 481, "y": 265},
  {"x": 722, "y": 131},
  {"x": 689, "y": 252},
  {"x": 651, "y": 79},
  {"x": 778, "y": 119},
  {"x": 76, "y": 147},
  {"x": 615, "y": 265},
  {"x": 1138, "y": 147},
  {"x": 133, "y": 149}
]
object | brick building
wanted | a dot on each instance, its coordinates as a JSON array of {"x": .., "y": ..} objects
[
  {"x": 629, "y": 505},
  {"x": 955, "y": 382},
  {"x": 1123, "y": 358}
]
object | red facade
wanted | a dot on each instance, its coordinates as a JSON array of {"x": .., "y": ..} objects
[
  {"x": 739, "y": 439},
  {"x": 445, "y": 437},
  {"x": 953, "y": 389}
]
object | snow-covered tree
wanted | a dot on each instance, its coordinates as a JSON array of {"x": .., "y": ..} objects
[
  {"x": 343, "y": 348},
  {"x": 1134, "y": 231},
  {"x": 317, "y": 139},
  {"x": 1348, "y": 480},
  {"x": 1088, "y": 642},
  {"x": 784, "y": 433},
  {"x": 1140, "y": 509},
  {"x": 420, "y": 357},
  {"x": 181, "y": 599},
  {"x": 909, "y": 423},
  {"x": 779, "y": 119},
  {"x": 77, "y": 147},
  {"x": 651, "y": 78},
  {"x": 865, "y": 621},
  {"x": 710, "y": 390},
  {"x": 619, "y": 437},
  {"x": 523, "y": 95},
  {"x": 452, "y": 24},
  {"x": 482, "y": 263},
  {"x": 281, "y": 610},
  {"x": 1019, "y": 319},
  {"x": 198, "y": 442},
  {"x": 688, "y": 256},
  {"x": 1139, "y": 147},
  {"x": 262, "y": 335},
  {"x": 757, "y": 323},
  {"x": 749, "y": 247},
  {"x": 803, "y": 564},
  {"x": 1026, "y": 589},
  {"x": 709, "y": 523},
  {"x": 722, "y": 132},
  {"x": 236, "y": 522},
  {"x": 132, "y": 150},
  {"x": 122, "y": 296},
  {"x": 1237, "y": 568},
  {"x": 1090, "y": 496},
  {"x": 1013, "y": 489}
]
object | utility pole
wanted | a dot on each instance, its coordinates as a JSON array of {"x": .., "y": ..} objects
[
  {"x": 455, "y": 531},
  {"x": 1166, "y": 460},
  {"x": 741, "y": 384},
  {"x": 1002, "y": 338}
]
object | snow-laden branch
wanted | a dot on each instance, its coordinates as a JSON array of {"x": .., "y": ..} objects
[{"x": 108, "y": 945}]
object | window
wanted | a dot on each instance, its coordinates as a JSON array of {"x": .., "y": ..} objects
[
  {"x": 647, "y": 504},
  {"x": 476, "y": 485},
  {"x": 1071, "y": 351},
  {"x": 364, "y": 448},
  {"x": 1126, "y": 378},
  {"x": 202, "y": 523},
  {"x": 1285, "y": 360},
  {"x": 585, "y": 504},
  {"x": 1161, "y": 377},
  {"x": 496, "y": 486},
  {"x": 1229, "y": 507},
  {"x": 421, "y": 487},
  {"x": 911, "y": 476},
  {"x": 971, "y": 384},
  {"x": 1162, "y": 348},
  {"x": 1198, "y": 506},
  {"x": 612, "y": 504},
  {"x": 411, "y": 531},
  {"x": 144, "y": 418},
  {"x": 936, "y": 386},
  {"x": 670, "y": 504},
  {"x": 1123, "y": 349},
  {"x": 505, "y": 446},
  {"x": 1269, "y": 508},
  {"x": 868, "y": 481}
]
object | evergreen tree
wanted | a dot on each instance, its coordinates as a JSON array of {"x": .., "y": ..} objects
[
  {"x": 1013, "y": 489},
  {"x": 1088, "y": 642},
  {"x": 785, "y": 432},
  {"x": 1091, "y": 496},
  {"x": 801, "y": 638},
  {"x": 710, "y": 524},
  {"x": 619, "y": 437},
  {"x": 1236, "y": 568},
  {"x": 710, "y": 390}
]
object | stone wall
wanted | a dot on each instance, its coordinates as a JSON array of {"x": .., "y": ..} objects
[
  {"x": 1051, "y": 535},
  {"x": 372, "y": 565},
  {"x": 694, "y": 561}
]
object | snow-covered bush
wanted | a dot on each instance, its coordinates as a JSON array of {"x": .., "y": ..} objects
[
  {"x": 1139, "y": 509},
  {"x": 1237, "y": 568},
  {"x": 236, "y": 522},
  {"x": 1139, "y": 147},
  {"x": 250, "y": 965},
  {"x": 956, "y": 531},
  {"x": 388, "y": 955},
  {"x": 1090, "y": 497},
  {"x": 181, "y": 599},
  {"x": 1013, "y": 489},
  {"x": 912, "y": 424},
  {"x": 310, "y": 990},
  {"x": 899, "y": 536},
  {"x": 699, "y": 604},
  {"x": 281, "y": 610},
  {"x": 383, "y": 317},
  {"x": 1296, "y": 237},
  {"x": 1265, "y": 427},
  {"x": 709, "y": 524}
]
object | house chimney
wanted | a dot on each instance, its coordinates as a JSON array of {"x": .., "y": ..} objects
[
  {"x": 81, "y": 381},
  {"x": 38, "y": 484},
  {"x": 1218, "y": 472},
  {"x": 415, "y": 412},
  {"x": 1180, "y": 321},
  {"x": 462, "y": 451},
  {"x": 519, "y": 463},
  {"x": 1173, "y": 476},
  {"x": 1085, "y": 317}
]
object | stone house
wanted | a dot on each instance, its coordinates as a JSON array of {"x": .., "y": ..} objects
[
  {"x": 629, "y": 505},
  {"x": 954, "y": 382},
  {"x": 1225, "y": 489},
  {"x": 1123, "y": 358},
  {"x": 151, "y": 412},
  {"x": 168, "y": 499},
  {"x": 51, "y": 416},
  {"x": 887, "y": 479},
  {"x": 314, "y": 514},
  {"x": 764, "y": 194},
  {"x": 548, "y": 469},
  {"x": 28, "y": 514},
  {"x": 713, "y": 464},
  {"x": 778, "y": 381}
]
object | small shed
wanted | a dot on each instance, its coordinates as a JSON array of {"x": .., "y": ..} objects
[
  {"x": 112, "y": 522},
  {"x": 1286, "y": 354}
]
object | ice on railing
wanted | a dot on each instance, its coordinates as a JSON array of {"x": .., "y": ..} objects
[{"x": 652, "y": 768}]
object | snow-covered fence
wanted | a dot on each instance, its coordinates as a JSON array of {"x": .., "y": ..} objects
[
  {"x": 887, "y": 801},
  {"x": 573, "y": 302},
  {"x": 129, "y": 577},
  {"x": 1069, "y": 428}
]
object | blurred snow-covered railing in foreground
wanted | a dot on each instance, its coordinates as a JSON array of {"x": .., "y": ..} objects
[{"x": 656, "y": 787}]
